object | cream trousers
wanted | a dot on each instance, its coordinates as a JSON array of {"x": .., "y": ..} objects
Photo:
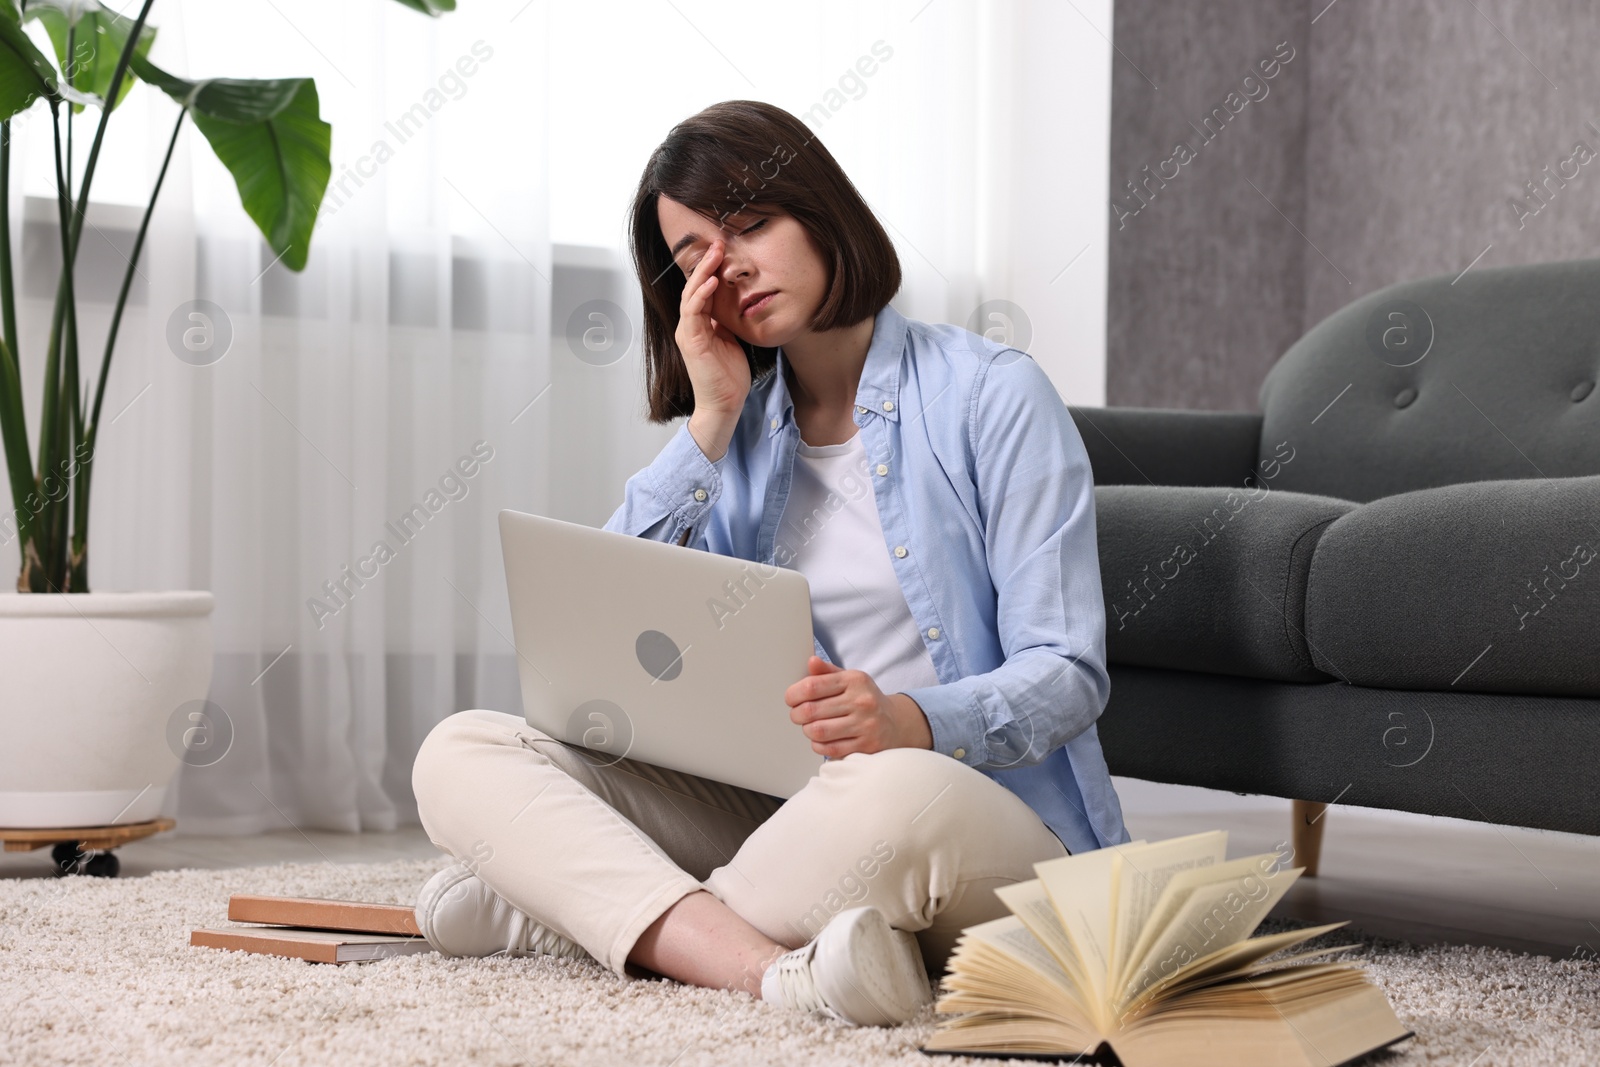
[{"x": 597, "y": 848}]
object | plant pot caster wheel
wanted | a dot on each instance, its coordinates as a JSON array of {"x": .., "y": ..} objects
[
  {"x": 70, "y": 859},
  {"x": 83, "y": 849}
]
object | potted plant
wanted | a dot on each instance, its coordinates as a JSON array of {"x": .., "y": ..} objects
[{"x": 101, "y": 693}]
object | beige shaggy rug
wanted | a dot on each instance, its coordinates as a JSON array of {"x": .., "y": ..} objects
[{"x": 95, "y": 970}]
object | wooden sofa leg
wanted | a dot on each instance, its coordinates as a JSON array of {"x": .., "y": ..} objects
[{"x": 1309, "y": 820}]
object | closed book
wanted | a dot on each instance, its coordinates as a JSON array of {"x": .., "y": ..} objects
[
  {"x": 353, "y": 915},
  {"x": 317, "y": 946}
]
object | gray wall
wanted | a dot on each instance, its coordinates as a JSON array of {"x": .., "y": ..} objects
[{"x": 1391, "y": 146}]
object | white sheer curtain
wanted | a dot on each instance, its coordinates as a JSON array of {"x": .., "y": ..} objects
[{"x": 470, "y": 214}]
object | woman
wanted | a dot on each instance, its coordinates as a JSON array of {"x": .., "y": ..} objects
[{"x": 932, "y": 488}]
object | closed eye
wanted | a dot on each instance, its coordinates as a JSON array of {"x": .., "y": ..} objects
[{"x": 752, "y": 228}]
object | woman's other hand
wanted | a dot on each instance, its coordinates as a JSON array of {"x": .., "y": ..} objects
[{"x": 842, "y": 711}]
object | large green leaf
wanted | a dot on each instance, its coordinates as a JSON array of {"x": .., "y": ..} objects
[
  {"x": 270, "y": 137},
  {"x": 25, "y": 73},
  {"x": 89, "y": 38},
  {"x": 282, "y": 165},
  {"x": 430, "y": 7}
]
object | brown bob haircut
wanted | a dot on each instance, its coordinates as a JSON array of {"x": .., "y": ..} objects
[{"x": 749, "y": 157}]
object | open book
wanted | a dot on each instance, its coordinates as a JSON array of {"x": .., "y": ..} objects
[{"x": 1144, "y": 951}]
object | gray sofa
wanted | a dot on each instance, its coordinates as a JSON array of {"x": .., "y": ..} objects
[{"x": 1383, "y": 589}]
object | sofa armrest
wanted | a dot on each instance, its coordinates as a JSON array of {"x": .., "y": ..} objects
[
  {"x": 1145, "y": 446},
  {"x": 1484, "y": 586},
  {"x": 1210, "y": 579}
]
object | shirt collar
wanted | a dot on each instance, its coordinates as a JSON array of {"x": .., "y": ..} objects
[{"x": 879, "y": 388}]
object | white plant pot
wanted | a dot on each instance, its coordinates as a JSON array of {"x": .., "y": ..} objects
[{"x": 89, "y": 684}]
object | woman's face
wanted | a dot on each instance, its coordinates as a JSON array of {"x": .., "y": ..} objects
[{"x": 761, "y": 254}]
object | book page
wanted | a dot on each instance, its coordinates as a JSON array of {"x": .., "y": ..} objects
[
  {"x": 1268, "y": 1024},
  {"x": 1138, "y": 878},
  {"x": 1011, "y": 937},
  {"x": 1029, "y": 902},
  {"x": 1214, "y": 917},
  {"x": 1245, "y": 873},
  {"x": 1080, "y": 889},
  {"x": 1002, "y": 975},
  {"x": 1236, "y": 959}
]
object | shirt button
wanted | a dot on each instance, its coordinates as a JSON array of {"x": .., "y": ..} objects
[
  {"x": 900, "y": 550},
  {"x": 933, "y": 632},
  {"x": 888, "y": 405},
  {"x": 883, "y": 468},
  {"x": 860, "y": 408},
  {"x": 774, "y": 424},
  {"x": 699, "y": 494},
  {"x": 958, "y": 753}
]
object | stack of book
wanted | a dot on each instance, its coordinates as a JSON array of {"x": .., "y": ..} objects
[{"x": 321, "y": 931}]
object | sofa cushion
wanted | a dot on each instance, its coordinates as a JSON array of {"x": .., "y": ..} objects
[
  {"x": 1210, "y": 579},
  {"x": 1487, "y": 375},
  {"x": 1486, "y": 587}
]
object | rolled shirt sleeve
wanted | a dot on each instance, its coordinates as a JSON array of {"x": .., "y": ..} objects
[
  {"x": 672, "y": 496},
  {"x": 1036, "y": 504}
]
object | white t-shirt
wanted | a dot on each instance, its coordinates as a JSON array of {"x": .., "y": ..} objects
[{"x": 858, "y": 611}]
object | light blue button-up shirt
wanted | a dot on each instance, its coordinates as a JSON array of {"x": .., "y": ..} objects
[{"x": 986, "y": 500}]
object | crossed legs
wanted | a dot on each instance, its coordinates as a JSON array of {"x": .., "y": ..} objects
[{"x": 705, "y": 882}]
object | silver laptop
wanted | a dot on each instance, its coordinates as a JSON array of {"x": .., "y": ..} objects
[{"x": 669, "y": 655}]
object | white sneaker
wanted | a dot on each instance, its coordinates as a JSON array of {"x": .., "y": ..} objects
[
  {"x": 461, "y": 916},
  {"x": 859, "y": 969}
]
